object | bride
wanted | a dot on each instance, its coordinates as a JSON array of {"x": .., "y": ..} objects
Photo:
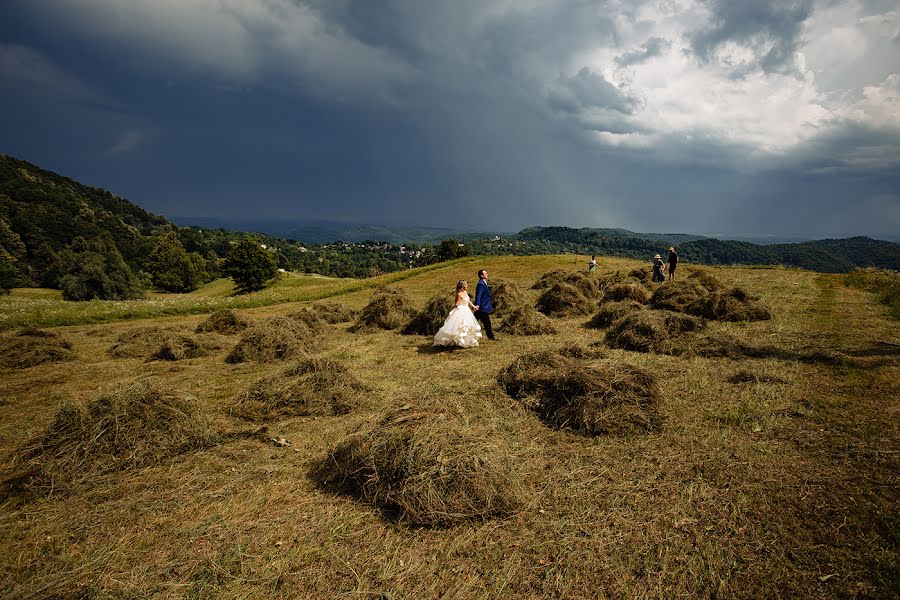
[{"x": 460, "y": 328}]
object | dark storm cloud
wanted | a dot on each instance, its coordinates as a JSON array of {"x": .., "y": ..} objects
[
  {"x": 589, "y": 90},
  {"x": 655, "y": 46},
  {"x": 770, "y": 29}
]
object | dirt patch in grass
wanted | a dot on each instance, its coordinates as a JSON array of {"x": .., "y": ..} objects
[
  {"x": 389, "y": 308},
  {"x": 313, "y": 386},
  {"x": 653, "y": 331},
  {"x": 600, "y": 397},
  {"x": 677, "y": 295},
  {"x": 733, "y": 305},
  {"x": 611, "y": 312},
  {"x": 427, "y": 466},
  {"x": 135, "y": 426},
  {"x": 525, "y": 320},
  {"x": 428, "y": 320},
  {"x": 224, "y": 322},
  {"x": 31, "y": 346},
  {"x": 276, "y": 338},
  {"x": 564, "y": 300},
  {"x": 334, "y": 312}
]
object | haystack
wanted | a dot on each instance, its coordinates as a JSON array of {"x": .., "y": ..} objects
[
  {"x": 585, "y": 282},
  {"x": 276, "y": 338},
  {"x": 389, "y": 308},
  {"x": 562, "y": 300},
  {"x": 432, "y": 317},
  {"x": 601, "y": 397},
  {"x": 334, "y": 312},
  {"x": 549, "y": 278},
  {"x": 136, "y": 426},
  {"x": 676, "y": 295},
  {"x": 313, "y": 386},
  {"x": 733, "y": 305},
  {"x": 626, "y": 291},
  {"x": 31, "y": 346},
  {"x": 141, "y": 342},
  {"x": 505, "y": 297},
  {"x": 427, "y": 467},
  {"x": 224, "y": 321},
  {"x": 180, "y": 347},
  {"x": 706, "y": 279},
  {"x": 643, "y": 275},
  {"x": 613, "y": 311},
  {"x": 653, "y": 331},
  {"x": 311, "y": 319},
  {"x": 608, "y": 280},
  {"x": 525, "y": 320}
]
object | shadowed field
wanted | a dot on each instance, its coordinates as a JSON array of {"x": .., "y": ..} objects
[{"x": 414, "y": 474}]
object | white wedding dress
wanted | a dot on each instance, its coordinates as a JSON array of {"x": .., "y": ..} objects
[{"x": 460, "y": 329}]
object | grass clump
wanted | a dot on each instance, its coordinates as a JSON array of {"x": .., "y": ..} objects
[
  {"x": 428, "y": 467},
  {"x": 136, "y": 426},
  {"x": 525, "y": 320},
  {"x": 140, "y": 342},
  {"x": 603, "y": 397},
  {"x": 276, "y": 338},
  {"x": 430, "y": 319},
  {"x": 884, "y": 283},
  {"x": 564, "y": 300},
  {"x": 653, "y": 331},
  {"x": 313, "y": 386},
  {"x": 225, "y": 322},
  {"x": 31, "y": 346},
  {"x": 611, "y": 312},
  {"x": 733, "y": 305},
  {"x": 334, "y": 312},
  {"x": 389, "y": 308}
]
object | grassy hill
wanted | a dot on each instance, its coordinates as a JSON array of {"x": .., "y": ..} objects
[{"x": 767, "y": 476}]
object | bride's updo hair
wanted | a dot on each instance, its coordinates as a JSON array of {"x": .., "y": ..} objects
[{"x": 460, "y": 285}]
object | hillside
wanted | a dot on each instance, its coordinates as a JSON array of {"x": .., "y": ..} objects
[{"x": 767, "y": 470}]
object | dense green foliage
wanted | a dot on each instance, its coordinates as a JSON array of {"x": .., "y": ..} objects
[
  {"x": 885, "y": 284},
  {"x": 172, "y": 268},
  {"x": 94, "y": 270},
  {"x": 451, "y": 248},
  {"x": 250, "y": 265}
]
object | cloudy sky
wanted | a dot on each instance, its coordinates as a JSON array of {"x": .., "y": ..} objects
[{"x": 704, "y": 116}]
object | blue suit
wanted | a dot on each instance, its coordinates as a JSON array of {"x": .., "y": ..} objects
[{"x": 483, "y": 302}]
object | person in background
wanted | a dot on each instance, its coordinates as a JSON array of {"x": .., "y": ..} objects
[
  {"x": 483, "y": 302},
  {"x": 673, "y": 262},
  {"x": 658, "y": 268},
  {"x": 592, "y": 264}
]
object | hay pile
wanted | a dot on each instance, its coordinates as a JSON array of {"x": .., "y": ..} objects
[
  {"x": 676, "y": 295},
  {"x": 653, "y": 331},
  {"x": 613, "y": 311},
  {"x": 705, "y": 279},
  {"x": 180, "y": 347},
  {"x": 525, "y": 320},
  {"x": 427, "y": 467},
  {"x": 432, "y": 317},
  {"x": 141, "y": 342},
  {"x": 313, "y": 386},
  {"x": 334, "y": 312},
  {"x": 562, "y": 300},
  {"x": 505, "y": 297},
  {"x": 602, "y": 397},
  {"x": 733, "y": 305},
  {"x": 136, "y": 426},
  {"x": 643, "y": 275},
  {"x": 608, "y": 280},
  {"x": 585, "y": 282},
  {"x": 626, "y": 291},
  {"x": 311, "y": 319},
  {"x": 549, "y": 278},
  {"x": 31, "y": 346},
  {"x": 225, "y": 322},
  {"x": 389, "y": 308},
  {"x": 276, "y": 338}
]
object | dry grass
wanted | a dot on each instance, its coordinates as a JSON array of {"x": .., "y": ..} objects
[
  {"x": 312, "y": 387},
  {"x": 603, "y": 397},
  {"x": 180, "y": 347},
  {"x": 620, "y": 292},
  {"x": 653, "y": 331},
  {"x": 733, "y": 305},
  {"x": 427, "y": 466},
  {"x": 677, "y": 295},
  {"x": 334, "y": 312},
  {"x": 224, "y": 321},
  {"x": 763, "y": 489},
  {"x": 505, "y": 297},
  {"x": 564, "y": 300},
  {"x": 611, "y": 312},
  {"x": 141, "y": 342},
  {"x": 430, "y": 319},
  {"x": 276, "y": 338},
  {"x": 310, "y": 319},
  {"x": 389, "y": 308},
  {"x": 525, "y": 320},
  {"x": 31, "y": 346}
]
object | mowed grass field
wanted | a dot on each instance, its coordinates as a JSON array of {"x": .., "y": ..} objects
[{"x": 787, "y": 486}]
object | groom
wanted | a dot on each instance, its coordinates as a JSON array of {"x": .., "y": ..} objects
[{"x": 483, "y": 302}]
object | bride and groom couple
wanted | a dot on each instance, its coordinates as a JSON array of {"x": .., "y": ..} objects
[{"x": 461, "y": 327}]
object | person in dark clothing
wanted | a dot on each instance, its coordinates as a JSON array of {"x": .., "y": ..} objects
[
  {"x": 658, "y": 268},
  {"x": 483, "y": 302},
  {"x": 673, "y": 262}
]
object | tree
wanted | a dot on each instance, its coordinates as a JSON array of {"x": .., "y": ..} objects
[
  {"x": 96, "y": 270},
  {"x": 11, "y": 250},
  {"x": 171, "y": 268},
  {"x": 450, "y": 249},
  {"x": 249, "y": 265}
]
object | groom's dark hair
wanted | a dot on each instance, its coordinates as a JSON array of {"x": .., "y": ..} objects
[{"x": 480, "y": 273}]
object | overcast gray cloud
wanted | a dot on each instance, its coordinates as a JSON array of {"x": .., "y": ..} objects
[{"x": 489, "y": 113}]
